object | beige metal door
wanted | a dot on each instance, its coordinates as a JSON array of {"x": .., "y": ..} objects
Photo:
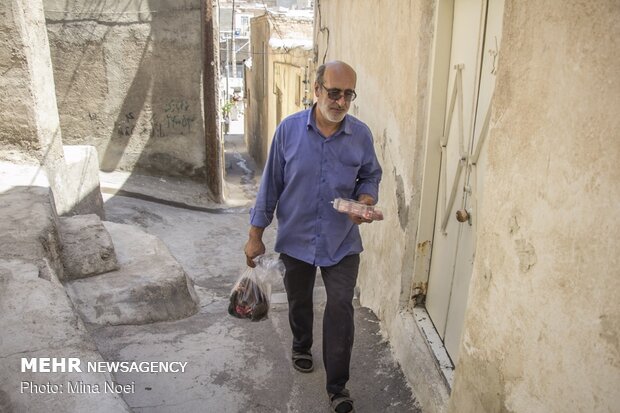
[{"x": 476, "y": 32}]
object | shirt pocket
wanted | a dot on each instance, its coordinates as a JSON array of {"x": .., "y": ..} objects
[{"x": 346, "y": 179}]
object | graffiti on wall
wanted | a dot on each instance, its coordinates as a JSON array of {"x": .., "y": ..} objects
[
  {"x": 178, "y": 115},
  {"x": 175, "y": 118}
]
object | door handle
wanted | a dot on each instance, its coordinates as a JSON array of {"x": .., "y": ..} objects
[{"x": 462, "y": 215}]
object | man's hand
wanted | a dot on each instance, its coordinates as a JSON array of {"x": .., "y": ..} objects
[
  {"x": 367, "y": 200},
  {"x": 255, "y": 246}
]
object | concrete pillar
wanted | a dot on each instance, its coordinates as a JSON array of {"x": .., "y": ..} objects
[
  {"x": 29, "y": 121},
  {"x": 213, "y": 141}
]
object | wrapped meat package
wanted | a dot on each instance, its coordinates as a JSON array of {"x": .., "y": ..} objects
[
  {"x": 349, "y": 206},
  {"x": 250, "y": 296}
]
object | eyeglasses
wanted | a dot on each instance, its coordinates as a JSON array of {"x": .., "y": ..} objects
[{"x": 336, "y": 94}]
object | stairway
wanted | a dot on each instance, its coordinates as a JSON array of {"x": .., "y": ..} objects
[
  {"x": 49, "y": 268},
  {"x": 126, "y": 276}
]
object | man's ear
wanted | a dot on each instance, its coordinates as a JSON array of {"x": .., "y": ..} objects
[{"x": 316, "y": 89}]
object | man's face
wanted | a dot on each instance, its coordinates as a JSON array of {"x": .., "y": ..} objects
[{"x": 335, "y": 78}]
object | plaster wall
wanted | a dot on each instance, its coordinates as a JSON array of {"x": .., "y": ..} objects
[
  {"x": 256, "y": 110},
  {"x": 288, "y": 68},
  {"x": 541, "y": 331},
  {"x": 541, "y": 334},
  {"x": 29, "y": 123},
  {"x": 129, "y": 81},
  {"x": 391, "y": 86},
  {"x": 18, "y": 131}
]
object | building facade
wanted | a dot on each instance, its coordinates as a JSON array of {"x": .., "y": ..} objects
[{"x": 279, "y": 77}]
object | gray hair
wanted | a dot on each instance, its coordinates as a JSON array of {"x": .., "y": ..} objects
[{"x": 320, "y": 73}]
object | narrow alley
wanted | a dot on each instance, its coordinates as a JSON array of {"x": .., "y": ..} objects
[
  {"x": 234, "y": 365},
  {"x": 133, "y": 135}
]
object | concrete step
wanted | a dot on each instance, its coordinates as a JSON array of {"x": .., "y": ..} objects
[
  {"x": 28, "y": 230},
  {"x": 87, "y": 247},
  {"x": 150, "y": 285},
  {"x": 82, "y": 188},
  {"x": 37, "y": 318}
]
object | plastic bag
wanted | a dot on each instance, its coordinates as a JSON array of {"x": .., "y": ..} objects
[{"x": 251, "y": 294}]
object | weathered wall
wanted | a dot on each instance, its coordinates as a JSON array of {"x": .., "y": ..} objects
[
  {"x": 29, "y": 122},
  {"x": 278, "y": 59},
  {"x": 391, "y": 86},
  {"x": 128, "y": 81},
  {"x": 541, "y": 334},
  {"x": 256, "y": 110},
  {"x": 392, "y": 77},
  {"x": 18, "y": 132}
]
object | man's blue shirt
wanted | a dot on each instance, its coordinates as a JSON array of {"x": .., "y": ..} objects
[{"x": 304, "y": 173}]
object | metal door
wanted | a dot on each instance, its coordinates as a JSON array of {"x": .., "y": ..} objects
[{"x": 476, "y": 32}]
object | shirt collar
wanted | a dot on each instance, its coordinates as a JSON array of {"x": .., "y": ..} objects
[{"x": 345, "y": 126}]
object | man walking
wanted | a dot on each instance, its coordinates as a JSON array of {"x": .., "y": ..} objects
[{"x": 318, "y": 155}]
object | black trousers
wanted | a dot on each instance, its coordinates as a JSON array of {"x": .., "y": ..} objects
[{"x": 338, "y": 323}]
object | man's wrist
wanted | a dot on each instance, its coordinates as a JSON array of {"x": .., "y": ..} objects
[
  {"x": 366, "y": 199},
  {"x": 256, "y": 232}
]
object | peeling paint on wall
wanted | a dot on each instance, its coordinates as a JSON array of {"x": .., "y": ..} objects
[
  {"x": 609, "y": 334},
  {"x": 403, "y": 208},
  {"x": 526, "y": 253}
]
